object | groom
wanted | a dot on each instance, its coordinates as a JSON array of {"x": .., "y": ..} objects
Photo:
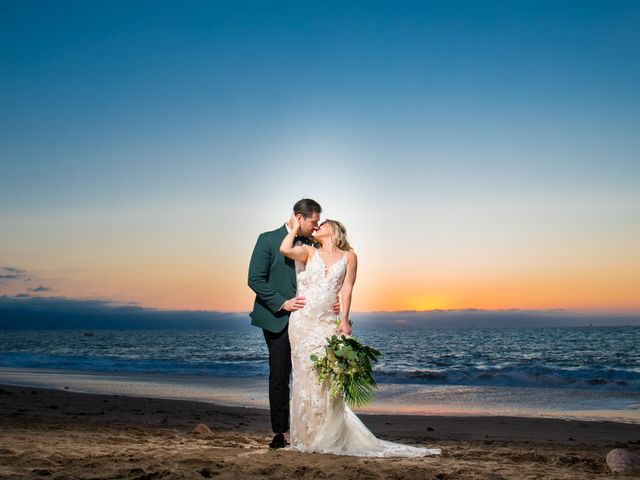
[{"x": 273, "y": 279}]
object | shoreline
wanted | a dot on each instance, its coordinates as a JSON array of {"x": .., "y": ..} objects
[
  {"x": 401, "y": 399},
  {"x": 78, "y": 435}
]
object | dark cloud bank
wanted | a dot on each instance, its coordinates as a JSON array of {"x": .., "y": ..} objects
[
  {"x": 22, "y": 312},
  {"x": 58, "y": 312}
]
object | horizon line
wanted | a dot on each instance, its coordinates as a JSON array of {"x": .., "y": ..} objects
[{"x": 110, "y": 303}]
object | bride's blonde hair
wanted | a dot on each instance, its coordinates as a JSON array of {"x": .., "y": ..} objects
[{"x": 339, "y": 235}]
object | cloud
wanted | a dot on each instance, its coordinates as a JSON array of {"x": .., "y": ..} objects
[
  {"x": 475, "y": 318},
  {"x": 14, "y": 270},
  {"x": 40, "y": 288},
  {"x": 38, "y": 312},
  {"x": 27, "y": 312},
  {"x": 12, "y": 273}
]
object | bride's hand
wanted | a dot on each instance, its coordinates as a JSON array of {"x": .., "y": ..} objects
[
  {"x": 344, "y": 327},
  {"x": 294, "y": 223}
]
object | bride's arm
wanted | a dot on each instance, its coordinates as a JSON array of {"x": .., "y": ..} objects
[
  {"x": 300, "y": 252},
  {"x": 345, "y": 293}
]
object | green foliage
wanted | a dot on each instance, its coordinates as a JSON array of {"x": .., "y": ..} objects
[{"x": 347, "y": 366}]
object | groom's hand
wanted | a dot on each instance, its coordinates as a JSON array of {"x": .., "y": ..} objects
[{"x": 294, "y": 304}]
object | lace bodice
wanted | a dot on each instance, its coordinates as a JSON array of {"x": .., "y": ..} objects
[
  {"x": 318, "y": 283},
  {"x": 311, "y": 325}
]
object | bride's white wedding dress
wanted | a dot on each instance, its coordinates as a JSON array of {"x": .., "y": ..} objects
[{"x": 317, "y": 422}]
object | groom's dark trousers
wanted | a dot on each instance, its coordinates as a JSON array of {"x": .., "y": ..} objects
[
  {"x": 273, "y": 279},
  {"x": 279, "y": 371}
]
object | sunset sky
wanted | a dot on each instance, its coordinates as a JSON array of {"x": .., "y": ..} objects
[{"x": 481, "y": 154}]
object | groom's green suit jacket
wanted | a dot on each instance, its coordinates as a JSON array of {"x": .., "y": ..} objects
[{"x": 273, "y": 278}]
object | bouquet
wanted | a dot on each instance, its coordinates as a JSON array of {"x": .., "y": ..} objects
[{"x": 347, "y": 365}]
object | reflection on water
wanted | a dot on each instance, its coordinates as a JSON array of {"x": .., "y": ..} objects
[{"x": 391, "y": 398}]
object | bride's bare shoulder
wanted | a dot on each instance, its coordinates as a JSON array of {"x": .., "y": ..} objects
[{"x": 351, "y": 255}]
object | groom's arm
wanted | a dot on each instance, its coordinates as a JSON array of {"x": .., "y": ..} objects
[{"x": 258, "y": 274}]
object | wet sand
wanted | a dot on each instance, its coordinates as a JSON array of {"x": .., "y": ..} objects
[{"x": 66, "y": 435}]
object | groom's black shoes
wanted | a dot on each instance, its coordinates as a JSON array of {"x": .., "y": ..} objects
[{"x": 278, "y": 441}]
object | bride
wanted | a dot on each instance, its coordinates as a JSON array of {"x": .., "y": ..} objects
[{"x": 319, "y": 423}]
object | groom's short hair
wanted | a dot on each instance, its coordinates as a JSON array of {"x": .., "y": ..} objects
[{"x": 306, "y": 207}]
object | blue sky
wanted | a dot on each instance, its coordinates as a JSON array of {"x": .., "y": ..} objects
[{"x": 133, "y": 132}]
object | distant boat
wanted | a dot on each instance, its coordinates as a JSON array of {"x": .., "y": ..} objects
[{"x": 88, "y": 334}]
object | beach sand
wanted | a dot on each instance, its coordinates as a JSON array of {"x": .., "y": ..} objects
[{"x": 67, "y": 435}]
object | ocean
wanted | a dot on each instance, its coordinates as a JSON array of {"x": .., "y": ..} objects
[{"x": 567, "y": 372}]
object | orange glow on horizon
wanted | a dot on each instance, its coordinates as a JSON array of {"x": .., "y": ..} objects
[
  {"x": 187, "y": 279},
  {"x": 427, "y": 302}
]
